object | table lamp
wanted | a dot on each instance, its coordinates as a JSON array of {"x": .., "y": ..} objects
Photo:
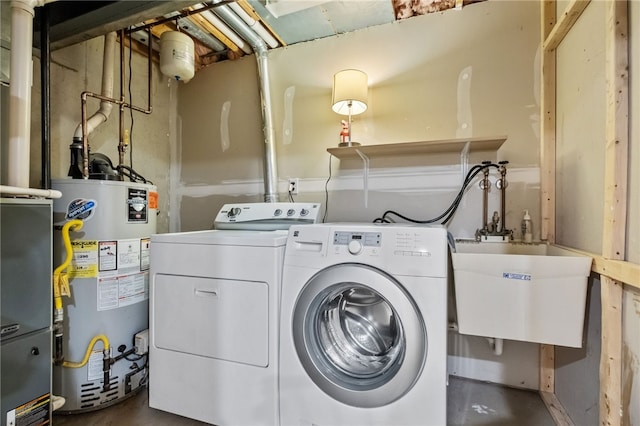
[{"x": 349, "y": 97}]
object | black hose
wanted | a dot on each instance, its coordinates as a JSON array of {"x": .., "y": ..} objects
[{"x": 447, "y": 215}]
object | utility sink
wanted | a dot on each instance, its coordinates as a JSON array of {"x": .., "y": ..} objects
[{"x": 529, "y": 292}]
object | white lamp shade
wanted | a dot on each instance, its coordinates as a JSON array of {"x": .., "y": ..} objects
[{"x": 349, "y": 87}]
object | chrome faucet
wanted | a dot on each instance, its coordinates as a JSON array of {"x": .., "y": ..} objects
[{"x": 492, "y": 229}]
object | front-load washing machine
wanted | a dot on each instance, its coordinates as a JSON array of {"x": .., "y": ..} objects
[
  {"x": 363, "y": 327},
  {"x": 213, "y": 323}
]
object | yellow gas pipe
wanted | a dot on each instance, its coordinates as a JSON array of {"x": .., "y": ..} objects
[{"x": 61, "y": 288}]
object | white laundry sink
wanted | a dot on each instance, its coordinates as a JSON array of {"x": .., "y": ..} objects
[{"x": 529, "y": 292}]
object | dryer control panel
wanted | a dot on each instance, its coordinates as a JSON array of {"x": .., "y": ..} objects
[{"x": 266, "y": 216}]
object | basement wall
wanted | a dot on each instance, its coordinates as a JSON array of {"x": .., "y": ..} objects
[
  {"x": 469, "y": 73},
  {"x": 78, "y": 68},
  {"x": 581, "y": 113}
]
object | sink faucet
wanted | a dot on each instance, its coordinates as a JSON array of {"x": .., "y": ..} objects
[{"x": 492, "y": 229}]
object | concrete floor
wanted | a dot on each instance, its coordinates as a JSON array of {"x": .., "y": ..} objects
[{"x": 469, "y": 403}]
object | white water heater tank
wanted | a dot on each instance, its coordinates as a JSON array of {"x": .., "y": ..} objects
[{"x": 177, "y": 55}]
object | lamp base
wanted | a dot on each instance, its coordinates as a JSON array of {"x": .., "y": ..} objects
[{"x": 347, "y": 144}]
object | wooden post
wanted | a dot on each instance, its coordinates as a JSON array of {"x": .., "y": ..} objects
[
  {"x": 547, "y": 167},
  {"x": 615, "y": 207}
]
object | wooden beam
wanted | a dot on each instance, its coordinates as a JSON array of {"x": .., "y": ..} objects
[
  {"x": 556, "y": 409},
  {"x": 113, "y": 16},
  {"x": 618, "y": 270},
  {"x": 611, "y": 353},
  {"x": 547, "y": 368},
  {"x": 235, "y": 51},
  {"x": 565, "y": 23},
  {"x": 251, "y": 12},
  {"x": 547, "y": 170},
  {"x": 548, "y": 128},
  {"x": 615, "y": 207}
]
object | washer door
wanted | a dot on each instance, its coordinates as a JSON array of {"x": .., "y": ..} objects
[{"x": 359, "y": 335}]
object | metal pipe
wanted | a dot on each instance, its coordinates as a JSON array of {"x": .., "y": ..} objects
[
  {"x": 85, "y": 136},
  {"x": 255, "y": 25},
  {"x": 120, "y": 102},
  {"x": 260, "y": 48},
  {"x": 502, "y": 186},
  {"x": 104, "y": 111},
  {"x": 484, "y": 185},
  {"x": 121, "y": 146},
  {"x": 45, "y": 98}
]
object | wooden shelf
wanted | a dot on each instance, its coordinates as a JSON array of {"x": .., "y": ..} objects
[{"x": 414, "y": 148}]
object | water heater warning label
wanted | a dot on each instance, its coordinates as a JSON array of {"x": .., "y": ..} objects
[
  {"x": 34, "y": 412},
  {"x": 84, "y": 263},
  {"x": 137, "y": 205},
  {"x": 122, "y": 290}
]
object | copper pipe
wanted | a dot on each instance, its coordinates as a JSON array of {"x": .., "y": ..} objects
[
  {"x": 120, "y": 102},
  {"x": 121, "y": 146},
  {"x": 85, "y": 138}
]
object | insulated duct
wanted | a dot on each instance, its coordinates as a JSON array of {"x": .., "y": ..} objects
[{"x": 260, "y": 49}]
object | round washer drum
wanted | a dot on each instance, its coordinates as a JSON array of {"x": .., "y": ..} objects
[{"x": 351, "y": 339}]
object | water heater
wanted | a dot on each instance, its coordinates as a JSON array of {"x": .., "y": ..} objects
[{"x": 109, "y": 283}]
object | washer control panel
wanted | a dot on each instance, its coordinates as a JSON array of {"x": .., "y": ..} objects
[{"x": 356, "y": 242}]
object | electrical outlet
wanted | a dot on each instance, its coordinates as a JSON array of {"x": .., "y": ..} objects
[{"x": 293, "y": 185}]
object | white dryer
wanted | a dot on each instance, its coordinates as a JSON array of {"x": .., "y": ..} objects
[
  {"x": 213, "y": 323},
  {"x": 363, "y": 329}
]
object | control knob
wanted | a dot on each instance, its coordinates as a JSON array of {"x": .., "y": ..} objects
[
  {"x": 233, "y": 212},
  {"x": 354, "y": 247}
]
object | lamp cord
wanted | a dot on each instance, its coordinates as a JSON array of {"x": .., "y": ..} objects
[{"x": 326, "y": 193}]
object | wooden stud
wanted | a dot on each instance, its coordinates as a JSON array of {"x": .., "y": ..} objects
[
  {"x": 556, "y": 409},
  {"x": 548, "y": 128},
  {"x": 615, "y": 207},
  {"x": 565, "y": 23},
  {"x": 547, "y": 365},
  {"x": 618, "y": 270},
  {"x": 547, "y": 170}
]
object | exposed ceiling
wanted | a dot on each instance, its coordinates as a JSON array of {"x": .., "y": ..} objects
[{"x": 283, "y": 22}]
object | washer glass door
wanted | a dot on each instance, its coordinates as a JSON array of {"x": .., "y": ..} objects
[{"x": 359, "y": 335}]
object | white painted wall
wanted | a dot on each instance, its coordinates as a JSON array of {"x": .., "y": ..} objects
[
  {"x": 469, "y": 73},
  {"x": 580, "y": 151}
]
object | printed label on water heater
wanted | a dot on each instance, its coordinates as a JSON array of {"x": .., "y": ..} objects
[
  {"x": 118, "y": 291},
  {"x": 84, "y": 263}
]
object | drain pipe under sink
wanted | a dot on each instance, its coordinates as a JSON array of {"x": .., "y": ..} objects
[
  {"x": 260, "y": 49},
  {"x": 496, "y": 344}
]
